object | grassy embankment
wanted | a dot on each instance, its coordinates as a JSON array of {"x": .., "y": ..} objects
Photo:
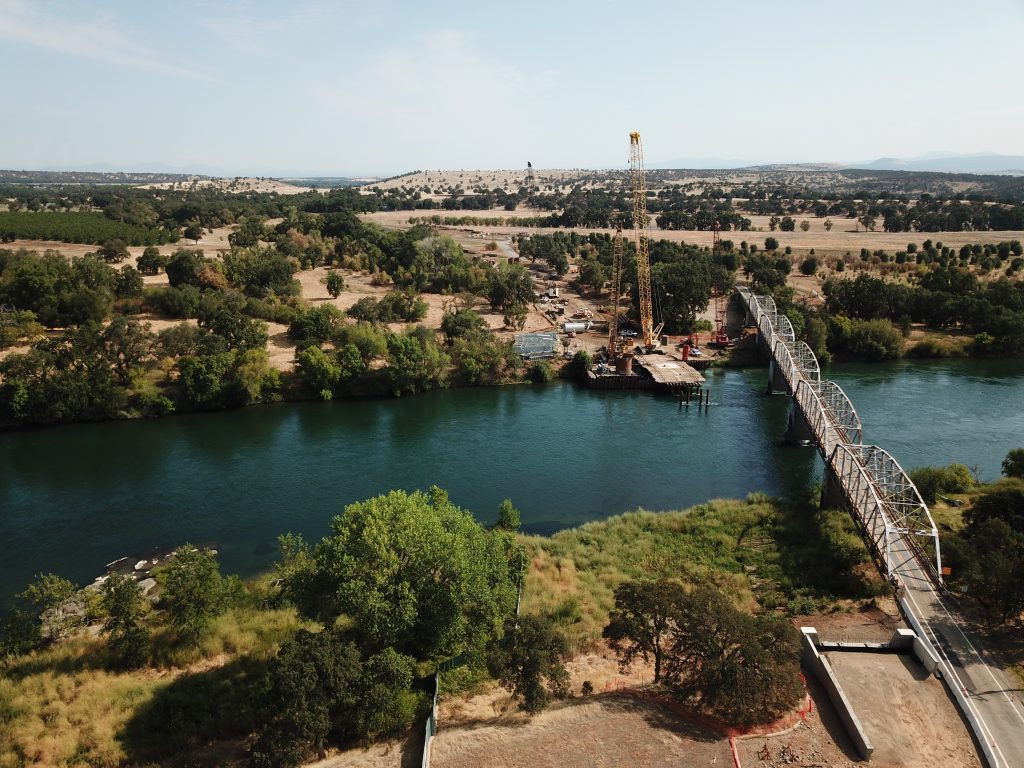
[{"x": 60, "y": 706}]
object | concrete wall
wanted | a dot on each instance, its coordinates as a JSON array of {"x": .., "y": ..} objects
[{"x": 822, "y": 670}]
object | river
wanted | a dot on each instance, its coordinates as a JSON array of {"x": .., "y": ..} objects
[{"x": 77, "y": 496}]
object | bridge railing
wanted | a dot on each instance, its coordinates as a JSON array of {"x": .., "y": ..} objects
[
  {"x": 784, "y": 329},
  {"x": 821, "y": 422},
  {"x": 909, "y": 515},
  {"x": 863, "y": 500},
  {"x": 845, "y": 415}
]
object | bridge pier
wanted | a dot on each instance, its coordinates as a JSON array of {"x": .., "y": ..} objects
[
  {"x": 776, "y": 381},
  {"x": 798, "y": 431},
  {"x": 832, "y": 491}
]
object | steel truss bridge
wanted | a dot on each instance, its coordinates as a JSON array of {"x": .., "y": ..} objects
[
  {"x": 896, "y": 524},
  {"x": 883, "y": 500}
]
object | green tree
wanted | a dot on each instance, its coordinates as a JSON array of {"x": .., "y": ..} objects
[
  {"x": 386, "y": 704},
  {"x": 1013, "y": 464},
  {"x": 508, "y": 517},
  {"x": 593, "y": 275},
  {"x": 124, "y": 606},
  {"x": 515, "y": 315},
  {"x": 126, "y": 345},
  {"x": 151, "y": 262},
  {"x": 930, "y": 481},
  {"x": 183, "y": 267},
  {"x": 479, "y": 358},
  {"x": 130, "y": 284},
  {"x": 314, "y": 689},
  {"x": 316, "y": 325},
  {"x": 771, "y": 244},
  {"x": 529, "y": 661},
  {"x": 461, "y": 323},
  {"x": 579, "y": 366},
  {"x": 805, "y": 225},
  {"x": 827, "y": 224},
  {"x": 249, "y": 233},
  {"x": 335, "y": 283},
  {"x": 203, "y": 378},
  {"x": 47, "y": 591},
  {"x": 253, "y": 379},
  {"x": 642, "y": 621},
  {"x": 319, "y": 371},
  {"x": 114, "y": 251},
  {"x": 510, "y": 284},
  {"x": 687, "y": 284},
  {"x": 990, "y": 557},
  {"x": 193, "y": 232},
  {"x": 741, "y": 668},
  {"x": 412, "y": 572},
  {"x": 193, "y": 591},
  {"x": 415, "y": 363},
  {"x": 809, "y": 266}
]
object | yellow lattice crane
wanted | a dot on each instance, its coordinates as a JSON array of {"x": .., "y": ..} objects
[
  {"x": 615, "y": 344},
  {"x": 638, "y": 188}
]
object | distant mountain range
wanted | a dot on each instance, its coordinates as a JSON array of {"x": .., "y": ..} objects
[
  {"x": 939, "y": 162},
  {"x": 984, "y": 162}
]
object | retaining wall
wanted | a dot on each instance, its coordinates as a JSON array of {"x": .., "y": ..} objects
[{"x": 822, "y": 670}]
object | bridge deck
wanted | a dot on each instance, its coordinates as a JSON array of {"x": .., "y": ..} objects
[{"x": 670, "y": 371}]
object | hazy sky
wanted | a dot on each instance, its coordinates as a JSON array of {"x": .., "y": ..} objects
[{"x": 370, "y": 87}]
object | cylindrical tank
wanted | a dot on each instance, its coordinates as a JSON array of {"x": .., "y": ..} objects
[
  {"x": 624, "y": 365},
  {"x": 577, "y": 327}
]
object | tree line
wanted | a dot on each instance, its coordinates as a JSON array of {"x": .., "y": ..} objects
[{"x": 79, "y": 227}]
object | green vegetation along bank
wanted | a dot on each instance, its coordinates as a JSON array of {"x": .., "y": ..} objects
[{"x": 335, "y": 647}]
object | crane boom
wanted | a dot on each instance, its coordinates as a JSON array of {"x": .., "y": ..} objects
[
  {"x": 638, "y": 186},
  {"x": 614, "y": 343}
]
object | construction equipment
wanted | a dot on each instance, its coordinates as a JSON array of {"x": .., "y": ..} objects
[
  {"x": 638, "y": 187},
  {"x": 721, "y": 338},
  {"x": 614, "y": 342}
]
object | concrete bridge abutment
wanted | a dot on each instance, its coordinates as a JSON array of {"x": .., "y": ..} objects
[
  {"x": 776, "y": 381},
  {"x": 798, "y": 431}
]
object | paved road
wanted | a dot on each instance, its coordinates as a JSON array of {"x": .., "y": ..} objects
[{"x": 993, "y": 695}]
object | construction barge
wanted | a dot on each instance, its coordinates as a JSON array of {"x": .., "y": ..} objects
[{"x": 651, "y": 372}]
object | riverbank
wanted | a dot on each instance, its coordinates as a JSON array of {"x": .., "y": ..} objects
[{"x": 62, "y": 703}]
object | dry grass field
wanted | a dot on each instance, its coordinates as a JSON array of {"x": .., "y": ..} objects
[
  {"x": 241, "y": 184},
  {"x": 845, "y": 237}
]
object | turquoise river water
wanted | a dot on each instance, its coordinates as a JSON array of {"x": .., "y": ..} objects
[{"x": 75, "y": 497}]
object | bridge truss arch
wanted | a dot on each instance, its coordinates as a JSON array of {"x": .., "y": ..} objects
[{"x": 880, "y": 495}]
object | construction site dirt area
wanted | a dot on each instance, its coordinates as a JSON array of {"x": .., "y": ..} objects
[
  {"x": 608, "y": 730},
  {"x": 906, "y": 713}
]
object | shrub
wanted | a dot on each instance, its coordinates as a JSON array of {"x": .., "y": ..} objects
[
  {"x": 931, "y": 481},
  {"x": 809, "y": 266},
  {"x": 540, "y": 372},
  {"x": 579, "y": 366}
]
